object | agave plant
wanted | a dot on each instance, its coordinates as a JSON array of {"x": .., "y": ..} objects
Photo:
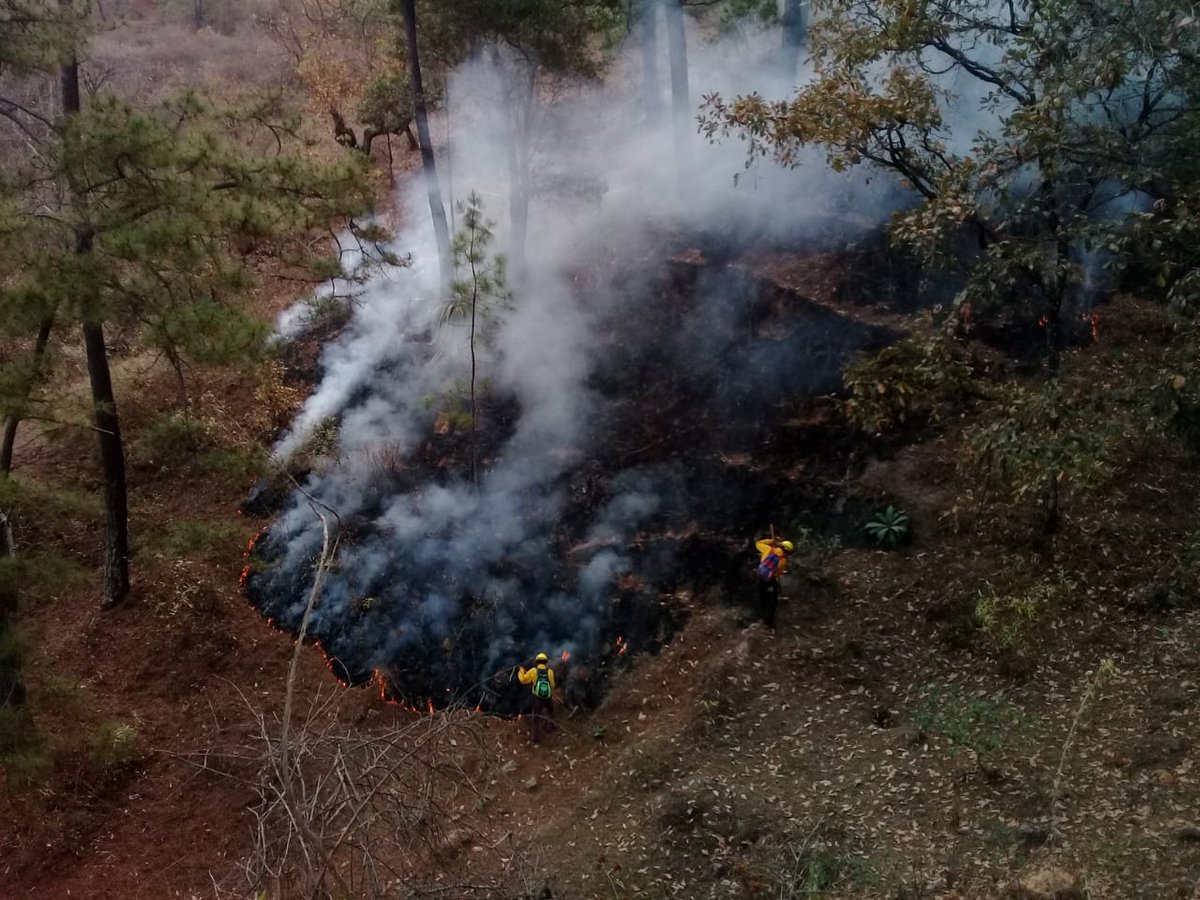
[{"x": 889, "y": 527}]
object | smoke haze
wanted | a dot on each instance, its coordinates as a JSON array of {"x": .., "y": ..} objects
[{"x": 441, "y": 582}]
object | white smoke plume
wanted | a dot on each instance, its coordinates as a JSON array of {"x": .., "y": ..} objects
[{"x": 442, "y": 582}]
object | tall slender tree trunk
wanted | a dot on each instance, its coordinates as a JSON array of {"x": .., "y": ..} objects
[
  {"x": 795, "y": 28},
  {"x": 681, "y": 104},
  {"x": 520, "y": 139},
  {"x": 651, "y": 90},
  {"x": 12, "y": 688},
  {"x": 112, "y": 461},
  {"x": 518, "y": 211},
  {"x": 437, "y": 209},
  {"x": 10, "y": 424},
  {"x": 8, "y": 588},
  {"x": 474, "y": 368},
  {"x": 104, "y": 404}
]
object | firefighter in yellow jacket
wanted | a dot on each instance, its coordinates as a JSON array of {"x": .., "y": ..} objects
[
  {"x": 772, "y": 562},
  {"x": 541, "y": 681}
]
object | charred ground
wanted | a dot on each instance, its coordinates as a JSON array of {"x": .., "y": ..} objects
[
  {"x": 705, "y": 413},
  {"x": 878, "y": 745}
]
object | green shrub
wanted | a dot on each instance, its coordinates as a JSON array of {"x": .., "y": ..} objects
[
  {"x": 114, "y": 744},
  {"x": 320, "y": 449},
  {"x": 239, "y": 462},
  {"x": 1008, "y": 619},
  {"x": 23, "y": 756},
  {"x": 16, "y": 730},
  {"x": 188, "y": 537},
  {"x": 36, "y": 572},
  {"x": 12, "y": 646},
  {"x": 982, "y": 724},
  {"x": 923, "y": 378},
  {"x": 172, "y": 439},
  {"x": 22, "y": 494},
  {"x": 27, "y": 768},
  {"x": 812, "y": 868},
  {"x": 889, "y": 528}
]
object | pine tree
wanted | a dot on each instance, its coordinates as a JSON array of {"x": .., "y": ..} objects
[
  {"x": 478, "y": 290},
  {"x": 161, "y": 204}
]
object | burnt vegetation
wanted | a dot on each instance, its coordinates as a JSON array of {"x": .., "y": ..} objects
[
  {"x": 728, "y": 445},
  {"x": 940, "y": 332}
]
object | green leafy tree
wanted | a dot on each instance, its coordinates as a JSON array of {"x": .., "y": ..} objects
[
  {"x": 1026, "y": 132},
  {"x": 1025, "y": 125},
  {"x": 479, "y": 290},
  {"x": 160, "y": 208},
  {"x": 1039, "y": 438}
]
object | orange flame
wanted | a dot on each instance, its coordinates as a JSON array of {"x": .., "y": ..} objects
[
  {"x": 565, "y": 656},
  {"x": 1043, "y": 321},
  {"x": 622, "y": 646},
  {"x": 246, "y": 553},
  {"x": 1093, "y": 319}
]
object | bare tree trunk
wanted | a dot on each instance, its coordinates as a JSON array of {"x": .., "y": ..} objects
[
  {"x": 108, "y": 426},
  {"x": 651, "y": 91},
  {"x": 8, "y": 588},
  {"x": 428, "y": 163},
  {"x": 185, "y": 402},
  {"x": 681, "y": 103},
  {"x": 11, "y": 423},
  {"x": 795, "y": 28},
  {"x": 112, "y": 462},
  {"x": 519, "y": 162},
  {"x": 518, "y": 210},
  {"x": 12, "y": 688}
]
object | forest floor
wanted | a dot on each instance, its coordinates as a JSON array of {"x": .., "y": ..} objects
[{"x": 878, "y": 743}]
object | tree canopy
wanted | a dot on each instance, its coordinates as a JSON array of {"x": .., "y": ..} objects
[
  {"x": 157, "y": 219},
  {"x": 1036, "y": 128}
]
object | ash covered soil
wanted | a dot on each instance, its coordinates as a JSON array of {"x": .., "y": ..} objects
[{"x": 875, "y": 745}]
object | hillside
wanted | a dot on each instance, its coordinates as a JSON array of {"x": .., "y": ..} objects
[
  {"x": 971, "y": 404},
  {"x": 878, "y": 744}
]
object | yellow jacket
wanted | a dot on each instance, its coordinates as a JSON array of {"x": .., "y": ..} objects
[
  {"x": 766, "y": 547},
  {"x": 529, "y": 676}
]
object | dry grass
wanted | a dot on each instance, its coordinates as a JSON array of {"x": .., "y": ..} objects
[{"x": 147, "y": 59}]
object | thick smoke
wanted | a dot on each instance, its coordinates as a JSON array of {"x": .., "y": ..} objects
[{"x": 443, "y": 583}]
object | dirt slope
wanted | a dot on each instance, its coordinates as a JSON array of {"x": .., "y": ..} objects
[{"x": 878, "y": 744}]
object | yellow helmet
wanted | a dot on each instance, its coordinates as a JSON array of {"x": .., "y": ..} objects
[
  {"x": 542, "y": 657},
  {"x": 788, "y": 546}
]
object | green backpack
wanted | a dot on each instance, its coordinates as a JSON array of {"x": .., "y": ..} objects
[{"x": 541, "y": 687}]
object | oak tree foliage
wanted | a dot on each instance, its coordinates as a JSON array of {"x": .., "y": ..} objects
[{"x": 1047, "y": 146}]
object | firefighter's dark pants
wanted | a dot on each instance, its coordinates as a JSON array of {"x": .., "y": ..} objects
[
  {"x": 768, "y": 600},
  {"x": 541, "y": 720}
]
